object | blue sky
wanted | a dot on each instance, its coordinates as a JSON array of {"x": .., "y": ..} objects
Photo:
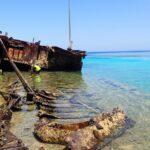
[{"x": 97, "y": 25}]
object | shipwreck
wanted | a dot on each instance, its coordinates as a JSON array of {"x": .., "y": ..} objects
[
  {"x": 94, "y": 133},
  {"x": 25, "y": 54}
]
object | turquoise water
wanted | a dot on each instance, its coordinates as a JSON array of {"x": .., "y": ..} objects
[
  {"x": 131, "y": 69},
  {"x": 107, "y": 80},
  {"x": 122, "y": 79}
]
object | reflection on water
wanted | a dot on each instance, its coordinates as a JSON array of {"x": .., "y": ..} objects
[
  {"x": 1, "y": 78},
  {"x": 67, "y": 84}
]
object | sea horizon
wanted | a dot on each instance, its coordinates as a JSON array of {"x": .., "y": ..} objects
[{"x": 118, "y": 51}]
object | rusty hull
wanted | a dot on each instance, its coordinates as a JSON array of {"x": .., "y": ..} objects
[
  {"x": 24, "y": 54},
  {"x": 86, "y": 135}
]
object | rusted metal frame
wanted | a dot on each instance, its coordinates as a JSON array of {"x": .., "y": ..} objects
[
  {"x": 13, "y": 52},
  {"x": 18, "y": 54},
  {"x": 23, "y": 81},
  {"x": 84, "y": 135},
  {"x": 67, "y": 53},
  {"x": 45, "y": 96},
  {"x": 38, "y": 52}
]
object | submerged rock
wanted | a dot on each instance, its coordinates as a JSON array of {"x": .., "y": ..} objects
[{"x": 84, "y": 135}]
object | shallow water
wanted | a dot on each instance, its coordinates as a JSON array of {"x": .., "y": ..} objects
[{"x": 106, "y": 81}]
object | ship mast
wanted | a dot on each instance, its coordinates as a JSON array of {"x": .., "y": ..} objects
[{"x": 69, "y": 12}]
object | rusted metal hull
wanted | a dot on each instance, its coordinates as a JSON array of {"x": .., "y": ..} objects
[
  {"x": 86, "y": 135},
  {"x": 6, "y": 66},
  {"x": 25, "y": 54}
]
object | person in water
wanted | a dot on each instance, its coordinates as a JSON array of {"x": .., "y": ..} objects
[{"x": 36, "y": 69}]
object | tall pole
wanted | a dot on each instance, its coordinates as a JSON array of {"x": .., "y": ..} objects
[{"x": 69, "y": 11}]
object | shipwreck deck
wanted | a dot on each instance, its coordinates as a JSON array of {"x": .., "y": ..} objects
[{"x": 54, "y": 58}]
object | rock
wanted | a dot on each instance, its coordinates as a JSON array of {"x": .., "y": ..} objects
[{"x": 84, "y": 135}]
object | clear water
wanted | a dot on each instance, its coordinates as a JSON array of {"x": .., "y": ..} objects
[{"x": 106, "y": 81}]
